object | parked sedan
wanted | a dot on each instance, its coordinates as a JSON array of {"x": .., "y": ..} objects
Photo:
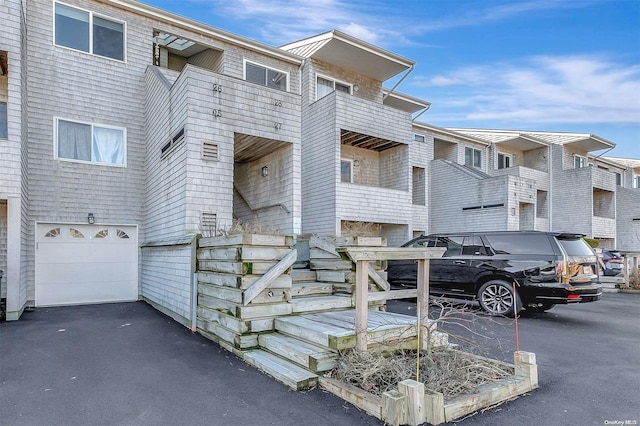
[{"x": 612, "y": 262}]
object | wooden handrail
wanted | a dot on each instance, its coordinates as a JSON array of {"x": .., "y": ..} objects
[
  {"x": 274, "y": 272},
  {"x": 361, "y": 256}
]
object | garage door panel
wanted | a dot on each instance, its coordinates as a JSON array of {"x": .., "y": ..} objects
[
  {"x": 49, "y": 253},
  {"x": 84, "y": 272},
  {"x": 82, "y": 263},
  {"x": 72, "y": 294}
]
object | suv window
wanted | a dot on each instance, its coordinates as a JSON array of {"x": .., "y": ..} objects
[
  {"x": 520, "y": 244},
  {"x": 473, "y": 247},
  {"x": 576, "y": 247},
  {"x": 452, "y": 244}
]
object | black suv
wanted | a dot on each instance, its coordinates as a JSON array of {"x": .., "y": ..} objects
[{"x": 548, "y": 268}]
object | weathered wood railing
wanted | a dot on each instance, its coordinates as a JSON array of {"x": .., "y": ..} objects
[{"x": 362, "y": 256}]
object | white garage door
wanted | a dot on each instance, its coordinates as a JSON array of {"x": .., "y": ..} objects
[{"x": 77, "y": 264}]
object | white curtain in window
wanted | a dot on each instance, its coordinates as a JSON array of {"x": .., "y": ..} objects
[
  {"x": 74, "y": 140},
  {"x": 108, "y": 145},
  {"x": 324, "y": 87}
]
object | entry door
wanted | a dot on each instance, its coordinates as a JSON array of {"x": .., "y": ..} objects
[{"x": 80, "y": 264}]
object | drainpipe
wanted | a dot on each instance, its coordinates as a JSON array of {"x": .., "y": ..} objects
[
  {"x": 421, "y": 112},
  {"x": 398, "y": 83},
  {"x": 194, "y": 284},
  {"x": 549, "y": 150}
]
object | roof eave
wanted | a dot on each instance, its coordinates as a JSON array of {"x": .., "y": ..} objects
[{"x": 192, "y": 25}]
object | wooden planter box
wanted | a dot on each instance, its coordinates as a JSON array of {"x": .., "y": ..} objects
[{"x": 412, "y": 404}]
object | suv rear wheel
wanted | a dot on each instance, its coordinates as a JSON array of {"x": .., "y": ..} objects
[{"x": 497, "y": 298}]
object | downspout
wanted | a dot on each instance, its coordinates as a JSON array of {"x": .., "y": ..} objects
[
  {"x": 398, "y": 83},
  {"x": 421, "y": 112},
  {"x": 550, "y": 187},
  {"x": 194, "y": 284}
]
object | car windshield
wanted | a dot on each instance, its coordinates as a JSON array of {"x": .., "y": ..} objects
[{"x": 576, "y": 247}]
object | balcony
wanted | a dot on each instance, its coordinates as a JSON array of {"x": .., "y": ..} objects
[
  {"x": 541, "y": 178},
  {"x": 603, "y": 227},
  {"x": 373, "y": 204},
  {"x": 595, "y": 178}
]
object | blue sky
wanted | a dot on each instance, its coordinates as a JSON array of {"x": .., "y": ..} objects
[{"x": 555, "y": 65}]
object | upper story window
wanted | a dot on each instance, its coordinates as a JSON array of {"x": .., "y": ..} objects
[
  {"x": 579, "y": 161},
  {"x": 346, "y": 170},
  {"x": 418, "y": 138},
  {"x": 504, "y": 160},
  {"x": 265, "y": 76},
  {"x": 325, "y": 85},
  {"x": 4, "y": 129},
  {"x": 618, "y": 178},
  {"x": 91, "y": 143},
  {"x": 472, "y": 157},
  {"x": 85, "y": 31}
]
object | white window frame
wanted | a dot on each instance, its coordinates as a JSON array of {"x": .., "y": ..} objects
[
  {"x": 619, "y": 178},
  {"x": 636, "y": 181},
  {"x": 419, "y": 138},
  {"x": 103, "y": 126},
  {"x": 473, "y": 156},
  {"x": 258, "y": 64},
  {"x": 583, "y": 161},
  {"x": 91, "y": 16},
  {"x": 350, "y": 161},
  {"x": 506, "y": 157},
  {"x": 343, "y": 83}
]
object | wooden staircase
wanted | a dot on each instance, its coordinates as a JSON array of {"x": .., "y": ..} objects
[{"x": 292, "y": 325}]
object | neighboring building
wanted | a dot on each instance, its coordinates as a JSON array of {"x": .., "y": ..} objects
[
  {"x": 627, "y": 172},
  {"x": 142, "y": 129}
]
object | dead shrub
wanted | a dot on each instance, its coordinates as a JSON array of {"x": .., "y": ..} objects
[
  {"x": 451, "y": 370},
  {"x": 361, "y": 229}
]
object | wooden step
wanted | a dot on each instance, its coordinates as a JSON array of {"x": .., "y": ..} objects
[
  {"x": 295, "y": 377},
  {"x": 312, "y": 357},
  {"x": 320, "y": 303},
  {"x": 298, "y": 275},
  {"x": 336, "y": 329},
  {"x": 309, "y": 288}
]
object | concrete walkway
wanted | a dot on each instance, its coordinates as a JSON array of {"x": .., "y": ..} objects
[{"x": 128, "y": 364}]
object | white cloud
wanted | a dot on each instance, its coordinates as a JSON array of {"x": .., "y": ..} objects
[{"x": 578, "y": 89}]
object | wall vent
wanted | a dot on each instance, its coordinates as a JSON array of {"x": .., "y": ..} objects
[
  {"x": 209, "y": 151},
  {"x": 208, "y": 224}
]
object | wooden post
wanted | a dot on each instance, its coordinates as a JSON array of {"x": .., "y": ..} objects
[
  {"x": 636, "y": 273},
  {"x": 394, "y": 408},
  {"x": 434, "y": 407},
  {"x": 423, "y": 302},
  {"x": 362, "y": 304},
  {"x": 415, "y": 401},
  {"x": 625, "y": 270}
]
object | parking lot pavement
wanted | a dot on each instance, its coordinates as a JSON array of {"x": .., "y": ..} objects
[
  {"x": 588, "y": 358},
  {"x": 128, "y": 364}
]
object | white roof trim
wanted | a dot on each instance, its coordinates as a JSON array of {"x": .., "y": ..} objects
[{"x": 207, "y": 30}]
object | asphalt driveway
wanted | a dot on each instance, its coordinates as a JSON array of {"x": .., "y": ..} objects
[{"x": 128, "y": 364}]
